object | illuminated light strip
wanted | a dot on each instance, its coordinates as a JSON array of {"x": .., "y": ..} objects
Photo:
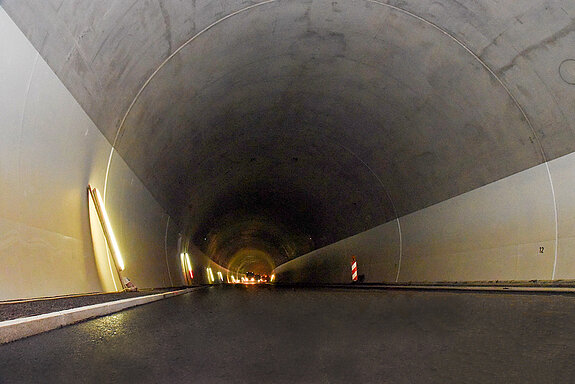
[
  {"x": 272, "y": 278},
  {"x": 107, "y": 228},
  {"x": 186, "y": 264},
  {"x": 190, "y": 270},
  {"x": 210, "y": 275},
  {"x": 220, "y": 276},
  {"x": 183, "y": 263}
]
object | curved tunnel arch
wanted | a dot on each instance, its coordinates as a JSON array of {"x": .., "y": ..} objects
[
  {"x": 354, "y": 115},
  {"x": 142, "y": 101}
]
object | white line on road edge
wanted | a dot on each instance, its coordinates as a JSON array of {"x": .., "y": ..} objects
[{"x": 11, "y": 330}]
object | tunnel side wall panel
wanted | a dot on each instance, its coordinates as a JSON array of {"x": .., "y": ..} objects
[
  {"x": 563, "y": 173},
  {"x": 376, "y": 252},
  {"x": 139, "y": 225},
  {"x": 492, "y": 233},
  {"x": 502, "y": 231},
  {"x": 49, "y": 152}
]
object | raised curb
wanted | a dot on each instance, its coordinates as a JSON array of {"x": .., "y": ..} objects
[
  {"x": 430, "y": 287},
  {"x": 507, "y": 288},
  {"x": 11, "y": 330}
]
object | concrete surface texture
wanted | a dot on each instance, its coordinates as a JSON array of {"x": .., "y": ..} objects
[
  {"x": 502, "y": 231},
  {"x": 50, "y": 151},
  {"x": 260, "y": 334},
  {"x": 284, "y": 126}
]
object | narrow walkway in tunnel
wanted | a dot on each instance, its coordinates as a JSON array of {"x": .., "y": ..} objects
[{"x": 255, "y": 334}]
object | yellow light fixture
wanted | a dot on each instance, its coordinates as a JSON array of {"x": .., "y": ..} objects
[
  {"x": 186, "y": 264},
  {"x": 183, "y": 263},
  {"x": 107, "y": 228},
  {"x": 210, "y": 275}
]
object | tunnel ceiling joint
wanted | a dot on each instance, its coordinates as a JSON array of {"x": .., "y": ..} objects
[
  {"x": 480, "y": 61},
  {"x": 159, "y": 68}
]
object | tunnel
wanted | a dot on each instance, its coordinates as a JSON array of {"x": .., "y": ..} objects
[
  {"x": 378, "y": 164},
  {"x": 430, "y": 141},
  {"x": 425, "y": 141}
]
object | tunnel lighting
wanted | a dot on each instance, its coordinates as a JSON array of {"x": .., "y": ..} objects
[
  {"x": 272, "y": 278},
  {"x": 183, "y": 262},
  {"x": 107, "y": 227},
  {"x": 189, "y": 265},
  {"x": 220, "y": 276},
  {"x": 210, "y": 275},
  {"x": 186, "y": 264}
]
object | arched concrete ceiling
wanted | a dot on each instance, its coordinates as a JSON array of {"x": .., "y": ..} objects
[{"x": 267, "y": 124}]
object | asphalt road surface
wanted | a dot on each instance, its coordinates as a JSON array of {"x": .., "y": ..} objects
[{"x": 280, "y": 335}]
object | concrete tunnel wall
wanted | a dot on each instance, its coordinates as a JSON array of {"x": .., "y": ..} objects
[
  {"x": 50, "y": 149},
  {"x": 518, "y": 228}
]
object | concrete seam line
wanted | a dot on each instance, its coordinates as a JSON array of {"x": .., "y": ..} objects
[
  {"x": 166, "y": 250},
  {"x": 480, "y": 61},
  {"x": 159, "y": 68},
  {"x": 11, "y": 330},
  {"x": 556, "y": 219},
  {"x": 400, "y": 250},
  {"x": 385, "y": 190}
]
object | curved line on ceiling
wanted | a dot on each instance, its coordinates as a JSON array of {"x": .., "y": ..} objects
[
  {"x": 151, "y": 77},
  {"x": 478, "y": 59},
  {"x": 515, "y": 101},
  {"x": 393, "y": 7},
  {"x": 398, "y": 9}
]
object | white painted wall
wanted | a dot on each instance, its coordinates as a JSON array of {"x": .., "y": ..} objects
[
  {"x": 50, "y": 151},
  {"x": 492, "y": 233}
]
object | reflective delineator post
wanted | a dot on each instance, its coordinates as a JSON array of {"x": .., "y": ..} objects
[{"x": 353, "y": 269}]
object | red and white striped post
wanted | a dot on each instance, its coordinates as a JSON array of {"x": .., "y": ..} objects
[{"x": 353, "y": 269}]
